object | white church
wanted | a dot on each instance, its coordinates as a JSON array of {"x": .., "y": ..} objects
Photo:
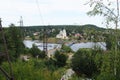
[{"x": 62, "y": 34}]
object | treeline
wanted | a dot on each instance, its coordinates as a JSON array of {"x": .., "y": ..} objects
[
  {"x": 54, "y": 29},
  {"x": 68, "y": 27}
]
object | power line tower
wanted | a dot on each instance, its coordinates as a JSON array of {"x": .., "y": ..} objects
[
  {"x": 45, "y": 41},
  {"x": 9, "y": 76},
  {"x": 21, "y": 27},
  {"x": 21, "y": 21}
]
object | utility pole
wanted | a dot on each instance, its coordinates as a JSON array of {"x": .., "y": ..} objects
[{"x": 9, "y": 76}]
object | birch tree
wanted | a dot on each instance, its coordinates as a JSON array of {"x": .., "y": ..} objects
[{"x": 109, "y": 9}]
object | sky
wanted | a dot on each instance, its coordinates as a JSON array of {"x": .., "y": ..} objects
[{"x": 47, "y": 12}]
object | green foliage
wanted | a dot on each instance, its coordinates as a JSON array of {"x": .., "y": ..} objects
[
  {"x": 60, "y": 59},
  {"x": 66, "y": 49},
  {"x": 105, "y": 10},
  {"x": 26, "y": 51},
  {"x": 14, "y": 42},
  {"x": 51, "y": 64},
  {"x": 75, "y": 77},
  {"x": 33, "y": 37},
  {"x": 110, "y": 41},
  {"x": 105, "y": 63},
  {"x": 57, "y": 54},
  {"x": 41, "y": 37},
  {"x": 37, "y": 52},
  {"x": 106, "y": 76},
  {"x": 83, "y": 63},
  {"x": 107, "y": 66},
  {"x": 42, "y": 55},
  {"x": 110, "y": 61},
  {"x": 32, "y": 70}
]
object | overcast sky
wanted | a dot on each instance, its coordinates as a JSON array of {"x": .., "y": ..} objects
[{"x": 53, "y": 12}]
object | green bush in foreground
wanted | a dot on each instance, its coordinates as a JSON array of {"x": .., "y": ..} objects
[
  {"x": 83, "y": 63},
  {"x": 32, "y": 71}
]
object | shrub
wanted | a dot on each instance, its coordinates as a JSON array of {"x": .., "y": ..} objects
[
  {"x": 60, "y": 59},
  {"x": 83, "y": 64}
]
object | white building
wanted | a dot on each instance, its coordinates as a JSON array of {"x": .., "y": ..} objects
[{"x": 62, "y": 34}]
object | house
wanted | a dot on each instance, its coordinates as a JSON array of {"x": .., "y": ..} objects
[
  {"x": 36, "y": 33},
  {"x": 79, "y": 36}
]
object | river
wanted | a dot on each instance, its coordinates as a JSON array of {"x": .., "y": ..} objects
[
  {"x": 29, "y": 43},
  {"x": 74, "y": 47}
]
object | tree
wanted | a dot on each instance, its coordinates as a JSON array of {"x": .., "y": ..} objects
[
  {"x": 83, "y": 64},
  {"x": 111, "y": 15},
  {"x": 109, "y": 42},
  {"x": 60, "y": 59},
  {"x": 35, "y": 51},
  {"x": 42, "y": 55},
  {"x": 32, "y": 37},
  {"x": 51, "y": 64},
  {"x": 2, "y": 58},
  {"x": 14, "y": 41},
  {"x": 66, "y": 48}
]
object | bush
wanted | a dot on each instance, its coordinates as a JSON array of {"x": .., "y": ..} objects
[
  {"x": 106, "y": 76},
  {"x": 66, "y": 49},
  {"x": 83, "y": 64},
  {"x": 35, "y": 51},
  {"x": 32, "y": 70},
  {"x": 51, "y": 64},
  {"x": 60, "y": 59},
  {"x": 42, "y": 55}
]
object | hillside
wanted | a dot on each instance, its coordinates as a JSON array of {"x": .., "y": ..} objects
[{"x": 69, "y": 28}]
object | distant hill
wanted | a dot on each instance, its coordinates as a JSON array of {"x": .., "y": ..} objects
[
  {"x": 90, "y": 26},
  {"x": 67, "y": 27}
]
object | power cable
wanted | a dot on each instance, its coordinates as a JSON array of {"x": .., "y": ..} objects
[
  {"x": 45, "y": 30},
  {"x": 39, "y": 10}
]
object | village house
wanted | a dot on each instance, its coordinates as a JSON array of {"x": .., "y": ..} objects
[{"x": 36, "y": 33}]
